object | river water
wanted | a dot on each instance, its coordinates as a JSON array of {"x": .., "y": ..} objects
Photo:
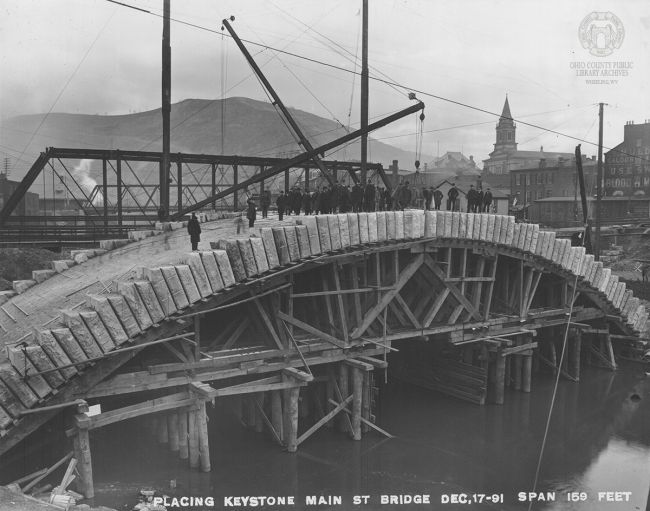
[{"x": 598, "y": 442}]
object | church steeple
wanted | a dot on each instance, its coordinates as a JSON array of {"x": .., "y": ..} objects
[{"x": 506, "y": 131}]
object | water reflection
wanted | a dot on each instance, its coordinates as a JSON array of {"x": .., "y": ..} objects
[{"x": 599, "y": 441}]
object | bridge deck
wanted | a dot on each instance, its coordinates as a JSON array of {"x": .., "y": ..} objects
[{"x": 144, "y": 305}]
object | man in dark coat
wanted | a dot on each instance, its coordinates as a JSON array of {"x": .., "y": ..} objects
[
  {"x": 315, "y": 201},
  {"x": 479, "y": 200},
  {"x": 487, "y": 201},
  {"x": 428, "y": 197},
  {"x": 265, "y": 202},
  {"x": 437, "y": 198},
  {"x": 194, "y": 230},
  {"x": 382, "y": 199},
  {"x": 472, "y": 199},
  {"x": 356, "y": 197},
  {"x": 388, "y": 199},
  {"x": 251, "y": 212},
  {"x": 296, "y": 201},
  {"x": 306, "y": 202},
  {"x": 344, "y": 199},
  {"x": 452, "y": 195},
  {"x": 281, "y": 202},
  {"x": 369, "y": 198}
]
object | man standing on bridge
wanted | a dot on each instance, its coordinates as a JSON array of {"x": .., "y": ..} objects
[
  {"x": 194, "y": 230},
  {"x": 281, "y": 202},
  {"x": 437, "y": 198}
]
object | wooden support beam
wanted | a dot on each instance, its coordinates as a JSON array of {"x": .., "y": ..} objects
[
  {"x": 435, "y": 307},
  {"x": 527, "y": 372},
  {"x": 193, "y": 438},
  {"x": 374, "y": 312},
  {"x": 576, "y": 348},
  {"x": 407, "y": 310},
  {"x": 365, "y": 422},
  {"x": 452, "y": 288},
  {"x": 183, "y": 445},
  {"x": 533, "y": 290},
  {"x": 172, "y": 428},
  {"x": 341, "y": 306},
  {"x": 518, "y": 349},
  {"x": 163, "y": 431},
  {"x": 290, "y": 419},
  {"x": 310, "y": 329},
  {"x": 276, "y": 415},
  {"x": 343, "y": 386},
  {"x": 268, "y": 324},
  {"x": 328, "y": 304},
  {"x": 234, "y": 337},
  {"x": 204, "y": 444},
  {"x": 499, "y": 374},
  {"x": 81, "y": 443},
  {"x": 525, "y": 297},
  {"x": 357, "y": 299},
  {"x": 490, "y": 290},
  {"x": 357, "y": 399},
  {"x": 323, "y": 420}
]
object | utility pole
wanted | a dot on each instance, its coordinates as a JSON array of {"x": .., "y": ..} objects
[
  {"x": 599, "y": 182},
  {"x": 364, "y": 94},
  {"x": 166, "y": 110}
]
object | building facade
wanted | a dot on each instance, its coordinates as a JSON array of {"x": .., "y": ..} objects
[
  {"x": 560, "y": 180},
  {"x": 627, "y": 166}
]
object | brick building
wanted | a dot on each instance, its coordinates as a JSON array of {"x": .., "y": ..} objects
[
  {"x": 627, "y": 166},
  {"x": 559, "y": 180}
]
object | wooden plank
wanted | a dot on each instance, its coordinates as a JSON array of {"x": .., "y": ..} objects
[
  {"x": 324, "y": 420},
  {"x": 518, "y": 349},
  {"x": 407, "y": 310},
  {"x": 341, "y": 307}
]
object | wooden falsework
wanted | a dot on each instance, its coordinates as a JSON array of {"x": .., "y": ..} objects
[
  {"x": 575, "y": 354},
  {"x": 374, "y": 312},
  {"x": 81, "y": 444},
  {"x": 276, "y": 413},
  {"x": 193, "y": 438},
  {"x": 172, "y": 427},
  {"x": 339, "y": 407},
  {"x": 204, "y": 444},
  {"x": 183, "y": 444},
  {"x": 290, "y": 420},
  {"x": 499, "y": 382},
  {"x": 357, "y": 396},
  {"x": 343, "y": 385}
]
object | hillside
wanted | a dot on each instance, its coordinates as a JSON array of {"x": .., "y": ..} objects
[{"x": 252, "y": 128}]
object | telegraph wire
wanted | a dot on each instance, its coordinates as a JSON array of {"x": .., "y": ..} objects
[{"x": 385, "y": 81}]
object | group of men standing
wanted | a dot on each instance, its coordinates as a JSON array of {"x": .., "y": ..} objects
[
  {"x": 477, "y": 201},
  {"x": 337, "y": 198},
  {"x": 340, "y": 198}
]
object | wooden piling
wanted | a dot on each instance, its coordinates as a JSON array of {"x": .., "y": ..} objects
[
  {"x": 172, "y": 428},
  {"x": 204, "y": 444},
  {"x": 575, "y": 354},
  {"x": 290, "y": 421},
  {"x": 81, "y": 444},
  {"x": 553, "y": 355},
  {"x": 499, "y": 374},
  {"x": 517, "y": 366},
  {"x": 193, "y": 439},
  {"x": 183, "y": 445},
  {"x": 366, "y": 401},
  {"x": 163, "y": 432},
  {"x": 527, "y": 372},
  {"x": 250, "y": 411},
  {"x": 259, "y": 420},
  {"x": 357, "y": 398},
  {"x": 329, "y": 393},
  {"x": 237, "y": 408},
  {"x": 344, "y": 378},
  {"x": 276, "y": 412}
]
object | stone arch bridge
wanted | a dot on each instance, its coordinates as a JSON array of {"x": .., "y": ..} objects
[{"x": 463, "y": 303}]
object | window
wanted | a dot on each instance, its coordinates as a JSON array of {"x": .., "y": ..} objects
[
  {"x": 528, "y": 179},
  {"x": 540, "y": 179},
  {"x": 549, "y": 192},
  {"x": 528, "y": 197},
  {"x": 517, "y": 179},
  {"x": 540, "y": 194}
]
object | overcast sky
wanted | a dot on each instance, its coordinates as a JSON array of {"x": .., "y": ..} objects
[{"x": 96, "y": 57}]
